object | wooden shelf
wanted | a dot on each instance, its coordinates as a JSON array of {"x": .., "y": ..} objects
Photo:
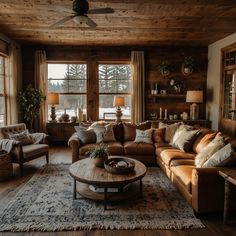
[{"x": 166, "y": 95}]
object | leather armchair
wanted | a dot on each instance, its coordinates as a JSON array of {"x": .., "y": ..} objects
[{"x": 20, "y": 152}]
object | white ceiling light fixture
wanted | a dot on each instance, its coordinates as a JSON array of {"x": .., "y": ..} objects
[{"x": 80, "y": 19}]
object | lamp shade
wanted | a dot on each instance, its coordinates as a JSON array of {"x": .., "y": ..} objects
[
  {"x": 195, "y": 96},
  {"x": 53, "y": 98},
  {"x": 119, "y": 101}
]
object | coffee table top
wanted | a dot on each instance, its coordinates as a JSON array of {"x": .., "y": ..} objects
[{"x": 86, "y": 172}]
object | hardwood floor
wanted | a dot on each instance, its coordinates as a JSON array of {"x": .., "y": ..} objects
[{"x": 62, "y": 154}]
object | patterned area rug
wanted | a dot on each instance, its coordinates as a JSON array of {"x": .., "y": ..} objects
[{"x": 45, "y": 203}]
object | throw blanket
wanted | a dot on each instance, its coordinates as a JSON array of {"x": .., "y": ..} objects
[
  {"x": 7, "y": 144},
  {"x": 38, "y": 137}
]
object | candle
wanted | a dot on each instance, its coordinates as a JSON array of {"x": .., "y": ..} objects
[
  {"x": 160, "y": 113},
  {"x": 165, "y": 114}
]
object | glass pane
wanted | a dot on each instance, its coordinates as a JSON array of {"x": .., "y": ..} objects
[
  {"x": 77, "y": 71},
  {"x": 106, "y": 106},
  {"x": 71, "y": 103},
  {"x": 77, "y": 86},
  {"x": 58, "y": 86},
  {"x": 2, "y": 66},
  {"x": 1, "y": 84},
  {"x": 2, "y": 111},
  {"x": 114, "y": 78}
]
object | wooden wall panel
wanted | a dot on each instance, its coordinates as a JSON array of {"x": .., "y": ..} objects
[{"x": 153, "y": 57}]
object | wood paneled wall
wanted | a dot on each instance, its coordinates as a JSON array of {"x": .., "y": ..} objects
[{"x": 153, "y": 57}]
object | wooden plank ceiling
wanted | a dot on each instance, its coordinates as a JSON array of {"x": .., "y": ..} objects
[{"x": 134, "y": 22}]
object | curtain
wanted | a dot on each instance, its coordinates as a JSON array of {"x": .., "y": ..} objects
[
  {"x": 13, "y": 83},
  {"x": 138, "y": 102},
  {"x": 40, "y": 82}
]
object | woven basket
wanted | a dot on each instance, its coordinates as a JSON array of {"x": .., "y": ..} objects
[{"x": 6, "y": 167}]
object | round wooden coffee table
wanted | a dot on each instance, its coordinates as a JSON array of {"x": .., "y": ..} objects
[{"x": 87, "y": 174}]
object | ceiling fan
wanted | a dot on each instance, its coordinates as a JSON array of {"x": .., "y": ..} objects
[{"x": 80, "y": 13}]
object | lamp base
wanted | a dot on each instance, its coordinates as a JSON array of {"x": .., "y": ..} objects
[
  {"x": 118, "y": 115},
  {"x": 53, "y": 115},
  {"x": 194, "y": 111}
]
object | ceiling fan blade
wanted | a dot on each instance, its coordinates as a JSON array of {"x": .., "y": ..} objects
[
  {"x": 62, "y": 21},
  {"x": 101, "y": 11},
  {"x": 59, "y": 8},
  {"x": 91, "y": 23}
]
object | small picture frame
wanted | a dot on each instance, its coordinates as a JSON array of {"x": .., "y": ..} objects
[{"x": 109, "y": 115}]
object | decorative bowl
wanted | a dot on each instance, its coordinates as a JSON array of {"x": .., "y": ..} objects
[{"x": 119, "y": 165}]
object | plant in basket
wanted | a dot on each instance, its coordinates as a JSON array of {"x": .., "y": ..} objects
[{"x": 99, "y": 153}]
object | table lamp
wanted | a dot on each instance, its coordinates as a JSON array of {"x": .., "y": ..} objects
[
  {"x": 194, "y": 96},
  {"x": 118, "y": 102},
  {"x": 53, "y": 99}
]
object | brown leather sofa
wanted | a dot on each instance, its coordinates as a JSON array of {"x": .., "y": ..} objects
[{"x": 203, "y": 188}]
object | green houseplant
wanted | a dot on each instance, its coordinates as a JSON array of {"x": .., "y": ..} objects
[
  {"x": 29, "y": 100},
  {"x": 164, "y": 67},
  {"x": 99, "y": 153},
  {"x": 187, "y": 65}
]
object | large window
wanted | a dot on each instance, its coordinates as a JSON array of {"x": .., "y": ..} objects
[
  {"x": 114, "y": 79},
  {"x": 70, "y": 82},
  {"x": 2, "y": 91}
]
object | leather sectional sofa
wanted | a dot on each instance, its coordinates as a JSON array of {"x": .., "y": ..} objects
[{"x": 203, "y": 188}]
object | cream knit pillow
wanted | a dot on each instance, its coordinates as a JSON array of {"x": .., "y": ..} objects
[
  {"x": 170, "y": 130},
  {"x": 216, "y": 144}
]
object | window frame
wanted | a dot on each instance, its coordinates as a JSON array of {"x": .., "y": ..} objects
[
  {"x": 70, "y": 93},
  {"x": 4, "y": 95},
  {"x": 113, "y": 93}
]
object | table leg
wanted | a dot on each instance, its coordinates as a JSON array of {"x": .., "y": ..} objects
[
  {"x": 74, "y": 190},
  {"x": 226, "y": 201},
  {"x": 105, "y": 198},
  {"x": 141, "y": 188}
]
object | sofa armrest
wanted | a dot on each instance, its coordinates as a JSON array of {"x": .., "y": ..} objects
[
  {"x": 207, "y": 189},
  {"x": 75, "y": 143}
]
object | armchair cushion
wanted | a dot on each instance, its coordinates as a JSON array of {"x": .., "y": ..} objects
[{"x": 34, "y": 150}]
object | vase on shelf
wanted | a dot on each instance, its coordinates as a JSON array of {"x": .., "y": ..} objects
[{"x": 65, "y": 117}]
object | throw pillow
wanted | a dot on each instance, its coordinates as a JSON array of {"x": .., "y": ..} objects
[
  {"x": 158, "y": 135},
  {"x": 85, "y": 135},
  {"x": 105, "y": 134},
  {"x": 22, "y": 137},
  {"x": 216, "y": 144},
  {"x": 184, "y": 139},
  {"x": 143, "y": 136},
  {"x": 170, "y": 130},
  {"x": 223, "y": 157},
  {"x": 178, "y": 132}
]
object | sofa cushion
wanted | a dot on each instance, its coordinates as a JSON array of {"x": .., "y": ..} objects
[
  {"x": 105, "y": 133},
  {"x": 223, "y": 157},
  {"x": 138, "y": 148},
  {"x": 85, "y": 135},
  {"x": 184, "y": 139},
  {"x": 130, "y": 129},
  {"x": 34, "y": 150},
  {"x": 22, "y": 137},
  {"x": 158, "y": 135},
  {"x": 170, "y": 130},
  {"x": 183, "y": 174},
  {"x": 143, "y": 136},
  {"x": 216, "y": 144},
  {"x": 167, "y": 154},
  {"x": 118, "y": 131},
  {"x": 202, "y": 140},
  {"x": 114, "y": 148}
]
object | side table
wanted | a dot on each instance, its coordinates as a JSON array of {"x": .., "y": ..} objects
[
  {"x": 6, "y": 167},
  {"x": 230, "y": 179}
]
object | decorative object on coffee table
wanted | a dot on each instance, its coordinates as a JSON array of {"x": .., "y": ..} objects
[
  {"x": 6, "y": 168},
  {"x": 194, "y": 96},
  {"x": 99, "y": 154},
  {"x": 119, "y": 101},
  {"x": 53, "y": 99},
  {"x": 119, "y": 165},
  {"x": 85, "y": 172}
]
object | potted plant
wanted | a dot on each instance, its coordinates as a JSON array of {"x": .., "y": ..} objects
[
  {"x": 29, "y": 100},
  {"x": 164, "y": 67},
  {"x": 187, "y": 65},
  {"x": 99, "y": 153}
]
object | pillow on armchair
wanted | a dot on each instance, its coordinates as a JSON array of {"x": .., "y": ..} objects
[{"x": 22, "y": 137}]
